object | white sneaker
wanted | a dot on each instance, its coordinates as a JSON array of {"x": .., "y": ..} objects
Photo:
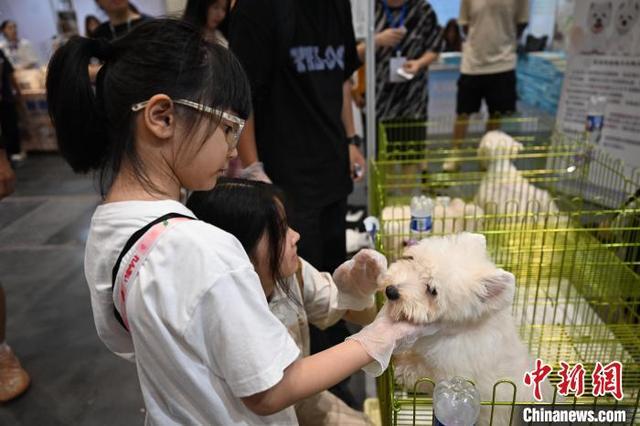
[{"x": 18, "y": 158}]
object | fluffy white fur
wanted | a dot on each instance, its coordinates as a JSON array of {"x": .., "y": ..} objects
[
  {"x": 625, "y": 19},
  {"x": 456, "y": 216},
  {"x": 452, "y": 281},
  {"x": 503, "y": 189},
  {"x": 598, "y": 20}
]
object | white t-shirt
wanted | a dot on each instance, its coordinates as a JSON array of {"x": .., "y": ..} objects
[
  {"x": 202, "y": 332},
  {"x": 490, "y": 46},
  {"x": 21, "y": 54}
]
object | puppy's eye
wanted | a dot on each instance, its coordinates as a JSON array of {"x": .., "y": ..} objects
[{"x": 432, "y": 290}]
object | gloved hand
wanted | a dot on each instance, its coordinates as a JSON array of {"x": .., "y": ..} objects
[
  {"x": 357, "y": 278},
  {"x": 384, "y": 336},
  {"x": 255, "y": 172}
]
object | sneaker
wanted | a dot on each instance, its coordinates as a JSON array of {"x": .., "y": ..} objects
[
  {"x": 13, "y": 379},
  {"x": 450, "y": 166},
  {"x": 19, "y": 158}
]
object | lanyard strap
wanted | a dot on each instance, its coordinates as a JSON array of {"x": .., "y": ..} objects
[
  {"x": 113, "y": 29},
  {"x": 403, "y": 15},
  {"x": 400, "y": 21},
  {"x": 142, "y": 242}
]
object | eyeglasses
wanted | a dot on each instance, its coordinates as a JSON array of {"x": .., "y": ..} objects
[{"x": 235, "y": 124}]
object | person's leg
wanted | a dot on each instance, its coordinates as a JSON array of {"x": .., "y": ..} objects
[
  {"x": 468, "y": 101},
  {"x": 332, "y": 230},
  {"x": 13, "y": 379},
  {"x": 501, "y": 97},
  {"x": 306, "y": 221},
  {"x": 10, "y": 131},
  {"x": 333, "y": 226}
]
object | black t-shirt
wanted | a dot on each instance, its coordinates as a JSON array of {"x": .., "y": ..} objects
[
  {"x": 297, "y": 55},
  {"x": 109, "y": 32}
]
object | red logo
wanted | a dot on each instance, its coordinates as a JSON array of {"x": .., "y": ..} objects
[
  {"x": 572, "y": 379},
  {"x": 605, "y": 379},
  {"x": 536, "y": 377},
  {"x": 608, "y": 379}
]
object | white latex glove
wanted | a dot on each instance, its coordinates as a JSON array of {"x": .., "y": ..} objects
[
  {"x": 357, "y": 278},
  {"x": 384, "y": 336},
  {"x": 255, "y": 172}
]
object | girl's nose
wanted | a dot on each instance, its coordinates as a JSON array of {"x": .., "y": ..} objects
[{"x": 296, "y": 237}]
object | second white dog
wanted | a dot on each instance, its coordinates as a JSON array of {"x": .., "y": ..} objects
[{"x": 503, "y": 189}]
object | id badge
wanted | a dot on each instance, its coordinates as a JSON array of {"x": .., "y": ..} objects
[{"x": 394, "y": 63}]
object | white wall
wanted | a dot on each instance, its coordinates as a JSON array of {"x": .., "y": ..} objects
[{"x": 35, "y": 21}]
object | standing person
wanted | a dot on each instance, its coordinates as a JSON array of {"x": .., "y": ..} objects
[
  {"x": 492, "y": 29},
  {"x": 18, "y": 50},
  {"x": 14, "y": 380},
  {"x": 407, "y": 37},
  {"x": 451, "y": 37},
  {"x": 166, "y": 113},
  {"x": 209, "y": 16},
  {"x": 9, "y": 98},
  {"x": 299, "y": 57},
  {"x": 90, "y": 25},
  {"x": 122, "y": 19}
]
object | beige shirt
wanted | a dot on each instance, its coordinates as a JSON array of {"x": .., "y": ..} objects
[
  {"x": 316, "y": 302},
  {"x": 490, "y": 46}
]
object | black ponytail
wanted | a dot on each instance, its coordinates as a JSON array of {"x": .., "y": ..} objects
[
  {"x": 95, "y": 128},
  {"x": 78, "y": 119}
]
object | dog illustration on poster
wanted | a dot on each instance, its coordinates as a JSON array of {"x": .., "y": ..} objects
[{"x": 598, "y": 21}]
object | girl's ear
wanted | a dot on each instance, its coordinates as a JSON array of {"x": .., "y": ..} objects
[{"x": 159, "y": 116}]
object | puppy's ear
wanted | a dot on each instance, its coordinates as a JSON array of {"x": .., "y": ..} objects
[{"x": 496, "y": 284}]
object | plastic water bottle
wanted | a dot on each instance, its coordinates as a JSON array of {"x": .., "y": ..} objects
[
  {"x": 456, "y": 402},
  {"x": 421, "y": 217},
  {"x": 595, "y": 118}
]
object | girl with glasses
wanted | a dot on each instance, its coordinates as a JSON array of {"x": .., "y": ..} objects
[{"x": 178, "y": 296}]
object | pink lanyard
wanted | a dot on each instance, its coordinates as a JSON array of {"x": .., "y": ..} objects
[{"x": 139, "y": 254}]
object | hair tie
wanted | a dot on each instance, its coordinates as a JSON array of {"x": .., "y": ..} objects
[{"x": 102, "y": 49}]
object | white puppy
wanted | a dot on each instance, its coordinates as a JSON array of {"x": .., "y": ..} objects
[
  {"x": 503, "y": 189},
  {"x": 452, "y": 281}
]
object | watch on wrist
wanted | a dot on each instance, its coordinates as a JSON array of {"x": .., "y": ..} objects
[{"x": 355, "y": 140}]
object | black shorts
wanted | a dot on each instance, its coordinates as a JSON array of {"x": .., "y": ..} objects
[{"x": 497, "y": 90}]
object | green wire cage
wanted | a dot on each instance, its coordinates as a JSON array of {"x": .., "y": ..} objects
[{"x": 570, "y": 234}]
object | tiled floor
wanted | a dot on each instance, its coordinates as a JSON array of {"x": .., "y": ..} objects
[{"x": 75, "y": 379}]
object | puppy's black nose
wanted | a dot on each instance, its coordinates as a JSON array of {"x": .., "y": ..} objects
[{"x": 392, "y": 292}]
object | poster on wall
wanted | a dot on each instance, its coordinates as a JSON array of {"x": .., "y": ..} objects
[{"x": 602, "y": 80}]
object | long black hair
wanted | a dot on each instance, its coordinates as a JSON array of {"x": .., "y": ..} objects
[
  {"x": 96, "y": 128},
  {"x": 248, "y": 210},
  {"x": 196, "y": 12}
]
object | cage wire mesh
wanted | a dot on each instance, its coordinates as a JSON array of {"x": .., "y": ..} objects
[{"x": 557, "y": 213}]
